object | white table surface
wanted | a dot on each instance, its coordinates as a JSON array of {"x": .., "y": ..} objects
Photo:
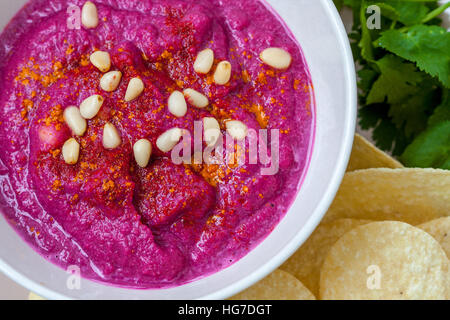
[{"x": 9, "y": 290}]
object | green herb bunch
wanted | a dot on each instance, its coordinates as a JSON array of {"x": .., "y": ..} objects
[{"x": 404, "y": 78}]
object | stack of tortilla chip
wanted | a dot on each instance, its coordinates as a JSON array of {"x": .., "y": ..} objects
[{"x": 385, "y": 237}]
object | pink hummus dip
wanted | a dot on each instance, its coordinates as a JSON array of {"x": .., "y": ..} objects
[{"x": 165, "y": 224}]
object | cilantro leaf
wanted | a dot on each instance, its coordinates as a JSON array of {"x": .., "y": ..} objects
[
  {"x": 411, "y": 116},
  {"x": 366, "y": 39},
  {"x": 388, "y": 11},
  {"x": 367, "y": 77},
  {"x": 338, "y": 4},
  {"x": 355, "y": 4},
  {"x": 389, "y": 137},
  {"x": 430, "y": 149},
  {"x": 409, "y": 13},
  {"x": 355, "y": 38},
  {"x": 369, "y": 116},
  {"x": 397, "y": 81},
  {"x": 428, "y": 46},
  {"x": 386, "y": 135},
  {"x": 442, "y": 112},
  {"x": 349, "y": 3},
  {"x": 404, "y": 78}
]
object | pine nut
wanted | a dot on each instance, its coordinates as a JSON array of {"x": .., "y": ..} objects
[
  {"x": 204, "y": 61},
  {"x": 110, "y": 81},
  {"x": 101, "y": 60},
  {"x": 71, "y": 151},
  {"x": 111, "y": 137},
  {"x": 177, "y": 104},
  {"x": 223, "y": 73},
  {"x": 211, "y": 131},
  {"x": 89, "y": 15},
  {"x": 196, "y": 98},
  {"x": 90, "y": 107},
  {"x": 75, "y": 121},
  {"x": 134, "y": 89},
  {"x": 169, "y": 139},
  {"x": 142, "y": 151},
  {"x": 237, "y": 129},
  {"x": 276, "y": 58}
]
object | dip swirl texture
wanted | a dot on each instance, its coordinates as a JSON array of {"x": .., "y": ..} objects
[{"x": 164, "y": 224}]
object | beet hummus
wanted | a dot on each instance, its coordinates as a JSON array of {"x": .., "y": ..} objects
[{"x": 81, "y": 190}]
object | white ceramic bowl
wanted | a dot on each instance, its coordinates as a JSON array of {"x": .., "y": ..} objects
[{"x": 318, "y": 28}]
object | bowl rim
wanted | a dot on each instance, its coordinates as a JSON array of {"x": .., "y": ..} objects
[{"x": 314, "y": 219}]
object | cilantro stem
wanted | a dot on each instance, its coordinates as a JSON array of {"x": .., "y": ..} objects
[
  {"x": 436, "y": 12},
  {"x": 430, "y": 16},
  {"x": 394, "y": 23}
]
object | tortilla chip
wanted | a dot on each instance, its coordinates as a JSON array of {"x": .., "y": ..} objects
[
  {"x": 279, "y": 285},
  {"x": 414, "y": 196},
  {"x": 365, "y": 156},
  {"x": 306, "y": 263},
  {"x": 385, "y": 261},
  {"x": 34, "y": 296},
  {"x": 440, "y": 230}
]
